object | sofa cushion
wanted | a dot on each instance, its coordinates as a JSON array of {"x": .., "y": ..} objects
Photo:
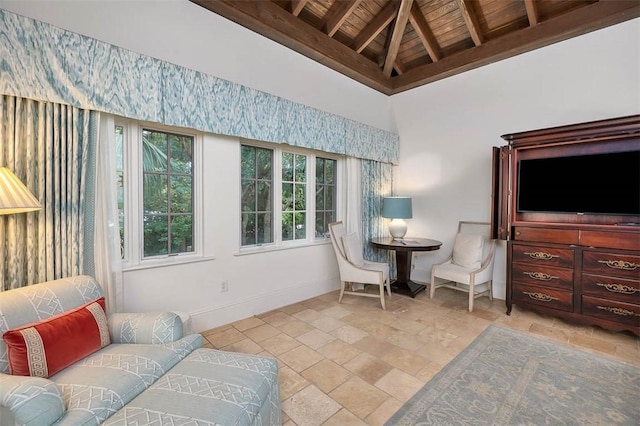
[{"x": 43, "y": 348}]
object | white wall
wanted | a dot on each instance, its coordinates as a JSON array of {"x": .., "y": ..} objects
[{"x": 447, "y": 128}]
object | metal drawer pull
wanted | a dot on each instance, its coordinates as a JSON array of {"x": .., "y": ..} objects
[
  {"x": 541, "y": 297},
  {"x": 620, "y": 264},
  {"x": 619, "y": 311},
  {"x": 618, "y": 288},
  {"x": 540, "y": 255},
  {"x": 540, "y": 276}
]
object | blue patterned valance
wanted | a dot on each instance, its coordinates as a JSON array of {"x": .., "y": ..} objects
[{"x": 43, "y": 62}]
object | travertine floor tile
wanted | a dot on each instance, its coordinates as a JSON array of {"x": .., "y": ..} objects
[
  {"x": 399, "y": 384},
  {"x": 290, "y": 382},
  {"x": 310, "y": 407},
  {"x": 247, "y": 323},
  {"x": 279, "y": 344},
  {"x": 295, "y": 327},
  {"x": 384, "y": 412},
  {"x": 344, "y": 418},
  {"x": 225, "y": 338},
  {"x": 277, "y": 319},
  {"x": 315, "y": 338},
  {"x": 367, "y": 367},
  {"x": 261, "y": 332},
  {"x": 308, "y": 315},
  {"x": 374, "y": 346},
  {"x": 405, "y": 360},
  {"x": 326, "y": 375},
  {"x": 300, "y": 358},
  {"x": 358, "y": 396},
  {"x": 338, "y": 351},
  {"x": 349, "y": 334},
  {"x": 327, "y": 324},
  {"x": 246, "y": 346}
]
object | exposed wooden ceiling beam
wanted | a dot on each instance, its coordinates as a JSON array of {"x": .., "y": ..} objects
[
  {"x": 375, "y": 27},
  {"x": 581, "y": 21},
  {"x": 399, "y": 67},
  {"x": 272, "y": 21},
  {"x": 471, "y": 21},
  {"x": 398, "y": 31},
  {"x": 339, "y": 13},
  {"x": 297, "y": 6},
  {"x": 532, "y": 12},
  {"x": 421, "y": 28}
]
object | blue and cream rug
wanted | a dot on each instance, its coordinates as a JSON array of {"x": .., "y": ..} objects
[{"x": 506, "y": 377}]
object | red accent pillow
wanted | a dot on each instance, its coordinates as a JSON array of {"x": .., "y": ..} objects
[{"x": 43, "y": 348}]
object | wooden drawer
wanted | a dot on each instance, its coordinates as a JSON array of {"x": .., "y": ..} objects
[
  {"x": 615, "y": 264},
  {"x": 611, "y": 288},
  {"x": 547, "y": 256},
  {"x": 624, "y": 313},
  {"x": 617, "y": 239},
  {"x": 543, "y": 296},
  {"x": 546, "y": 235},
  {"x": 540, "y": 275}
]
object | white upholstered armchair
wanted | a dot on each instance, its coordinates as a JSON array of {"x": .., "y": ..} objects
[
  {"x": 469, "y": 268},
  {"x": 353, "y": 267}
]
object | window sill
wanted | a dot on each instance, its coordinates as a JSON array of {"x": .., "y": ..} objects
[
  {"x": 166, "y": 262},
  {"x": 271, "y": 248}
]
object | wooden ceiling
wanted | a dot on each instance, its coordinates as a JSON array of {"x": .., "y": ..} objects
[{"x": 396, "y": 45}]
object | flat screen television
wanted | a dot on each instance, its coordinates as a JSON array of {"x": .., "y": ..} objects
[{"x": 605, "y": 183}]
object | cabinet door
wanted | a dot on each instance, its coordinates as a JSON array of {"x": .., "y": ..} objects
[{"x": 500, "y": 193}]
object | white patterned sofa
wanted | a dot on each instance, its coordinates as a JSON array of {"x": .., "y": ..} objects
[{"x": 63, "y": 362}]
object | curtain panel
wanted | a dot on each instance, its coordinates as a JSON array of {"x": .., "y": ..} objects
[{"x": 47, "y": 146}]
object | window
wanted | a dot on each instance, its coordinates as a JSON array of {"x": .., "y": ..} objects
[
  {"x": 325, "y": 195},
  {"x": 156, "y": 210},
  {"x": 280, "y": 203}
]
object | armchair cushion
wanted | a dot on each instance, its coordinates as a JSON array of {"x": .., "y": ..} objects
[
  {"x": 353, "y": 249},
  {"x": 467, "y": 250},
  {"x": 31, "y": 401},
  {"x": 42, "y": 349}
]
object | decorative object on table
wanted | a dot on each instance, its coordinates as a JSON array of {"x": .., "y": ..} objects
[
  {"x": 354, "y": 269},
  {"x": 506, "y": 377},
  {"x": 469, "y": 268},
  {"x": 397, "y": 209},
  {"x": 14, "y": 195}
]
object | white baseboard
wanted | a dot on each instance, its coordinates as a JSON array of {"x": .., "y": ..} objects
[{"x": 205, "y": 319}]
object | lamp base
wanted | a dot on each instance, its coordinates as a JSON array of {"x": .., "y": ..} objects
[{"x": 398, "y": 229}]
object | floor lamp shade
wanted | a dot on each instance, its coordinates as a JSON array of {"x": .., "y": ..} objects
[
  {"x": 14, "y": 196},
  {"x": 397, "y": 209}
]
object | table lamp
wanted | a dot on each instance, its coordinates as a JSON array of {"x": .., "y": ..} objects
[
  {"x": 14, "y": 196},
  {"x": 397, "y": 209}
]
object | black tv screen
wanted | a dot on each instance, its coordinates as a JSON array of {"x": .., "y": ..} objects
[{"x": 606, "y": 183}]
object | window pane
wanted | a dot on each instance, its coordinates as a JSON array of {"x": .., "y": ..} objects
[
  {"x": 154, "y": 151},
  {"x": 287, "y": 226},
  {"x": 264, "y": 161},
  {"x": 300, "y": 225},
  {"x": 248, "y": 229},
  {"x": 248, "y": 162},
  {"x": 300, "y": 197},
  {"x": 287, "y": 166},
  {"x": 330, "y": 199},
  {"x": 155, "y": 193},
  {"x": 248, "y": 196},
  {"x": 119, "y": 131},
  {"x": 301, "y": 168},
  {"x": 264, "y": 197},
  {"x": 156, "y": 231},
  {"x": 319, "y": 170},
  {"x": 265, "y": 231},
  {"x": 182, "y": 234},
  {"x": 287, "y": 196},
  {"x": 180, "y": 153},
  {"x": 181, "y": 194},
  {"x": 319, "y": 197},
  {"x": 330, "y": 171}
]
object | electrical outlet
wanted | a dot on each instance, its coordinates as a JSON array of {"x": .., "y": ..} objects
[{"x": 224, "y": 286}]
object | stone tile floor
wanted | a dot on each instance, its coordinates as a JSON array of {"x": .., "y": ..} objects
[{"x": 355, "y": 364}]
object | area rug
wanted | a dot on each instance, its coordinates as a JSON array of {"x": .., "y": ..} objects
[{"x": 506, "y": 377}]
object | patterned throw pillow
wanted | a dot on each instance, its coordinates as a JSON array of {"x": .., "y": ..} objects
[{"x": 43, "y": 348}]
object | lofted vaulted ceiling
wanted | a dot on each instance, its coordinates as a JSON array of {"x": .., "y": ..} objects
[{"x": 396, "y": 45}]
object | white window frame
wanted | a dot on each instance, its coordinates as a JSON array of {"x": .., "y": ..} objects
[
  {"x": 278, "y": 243},
  {"x": 134, "y": 203}
]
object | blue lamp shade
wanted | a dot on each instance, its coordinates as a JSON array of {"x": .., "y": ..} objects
[{"x": 397, "y": 208}]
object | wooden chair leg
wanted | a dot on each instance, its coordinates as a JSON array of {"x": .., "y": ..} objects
[
  {"x": 471, "y": 296},
  {"x": 382, "y": 296},
  {"x": 342, "y": 284}
]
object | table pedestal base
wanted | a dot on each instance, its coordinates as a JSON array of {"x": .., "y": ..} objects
[{"x": 408, "y": 288}]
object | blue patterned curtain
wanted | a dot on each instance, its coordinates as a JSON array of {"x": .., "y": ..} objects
[
  {"x": 47, "y": 146},
  {"x": 377, "y": 180}
]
